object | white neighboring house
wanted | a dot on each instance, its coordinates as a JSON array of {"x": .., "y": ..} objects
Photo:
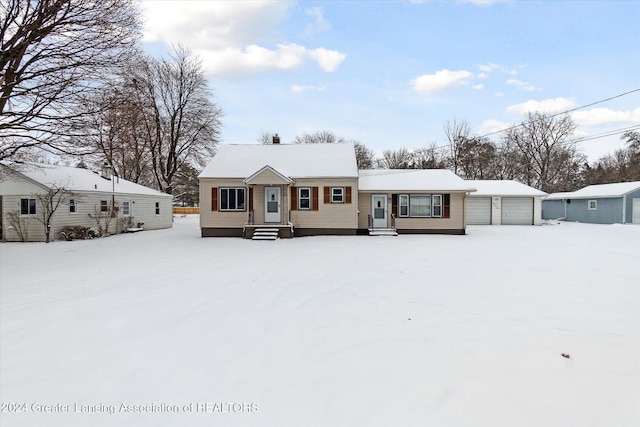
[
  {"x": 504, "y": 202},
  {"x": 94, "y": 193}
]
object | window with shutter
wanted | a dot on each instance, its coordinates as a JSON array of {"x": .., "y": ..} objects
[
  {"x": 316, "y": 197},
  {"x": 214, "y": 199},
  {"x": 294, "y": 198}
]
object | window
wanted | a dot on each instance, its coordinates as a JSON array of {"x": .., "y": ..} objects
[
  {"x": 337, "y": 194},
  {"x": 304, "y": 198},
  {"x": 104, "y": 206},
  {"x": 420, "y": 205},
  {"x": 27, "y": 206},
  {"x": 404, "y": 205},
  {"x": 72, "y": 206},
  {"x": 126, "y": 208},
  {"x": 157, "y": 208},
  {"x": 232, "y": 199},
  {"x": 593, "y": 205},
  {"x": 436, "y": 203}
]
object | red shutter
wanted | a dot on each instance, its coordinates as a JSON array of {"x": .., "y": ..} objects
[
  {"x": 250, "y": 198},
  {"x": 327, "y": 195},
  {"x": 347, "y": 190},
  {"x": 446, "y": 200},
  {"x": 315, "y": 198},
  {"x": 294, "y": 198},
  {"x": 394, "y": 205},
  {"x": 214, "y": 199}
]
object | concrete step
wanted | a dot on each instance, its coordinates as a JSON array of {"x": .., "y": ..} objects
[
  {"x": 383, "y": 232},
  {"x": 264, "y": 237},
  {"x": 265, "y": 234}
]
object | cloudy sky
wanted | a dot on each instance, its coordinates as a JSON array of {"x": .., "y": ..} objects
[{"x": 391, "y": 73}]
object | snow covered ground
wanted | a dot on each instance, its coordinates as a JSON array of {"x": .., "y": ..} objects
[{"x": 166, "y": 328}]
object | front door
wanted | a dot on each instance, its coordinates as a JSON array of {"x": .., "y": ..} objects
[
  {"x": 272, "y": 204},
  {"x": 379, "y": 210}
]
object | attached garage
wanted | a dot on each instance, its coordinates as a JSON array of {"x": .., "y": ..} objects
[
  {"x": 478, "y": 210},
  {"x": 517, "y": 211},
  {"x": 508, "y": 202}
]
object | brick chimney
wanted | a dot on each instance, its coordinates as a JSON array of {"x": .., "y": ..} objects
[{"x": 276, "y": 139}]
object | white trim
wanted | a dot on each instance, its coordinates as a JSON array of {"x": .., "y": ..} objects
[
  {"x": 235, "y": 209},
  {"x": 594, "y": 206},
  {"x": 309, "y": 198},
  {"x": 341, "y": 195},
  {"x": 73, "y": 203}
]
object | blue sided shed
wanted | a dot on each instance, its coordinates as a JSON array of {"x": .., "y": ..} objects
[{"x": 617, "y": 203}]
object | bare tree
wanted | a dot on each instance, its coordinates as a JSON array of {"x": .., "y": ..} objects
[
  {"x": 476, "y": 158},
  {"x": 549, "y": 158},
  {"x": 395, "y": 159},
  {"x": 456, "y": 132},
  {"x": 319, "y": 137},
  {"x": 430, "y": 157},
  {"x": 116, "y": 130},
  {"x": 20, "y": 225},
  {"x": 266, "y": 138},
  {"x": 621, "y": 166},
  {"x": 48, "y": 204},
  {"x": 51, "y": 51},
  {"x": 365, "y": 157},
  {"x": 181, "y": 122}
]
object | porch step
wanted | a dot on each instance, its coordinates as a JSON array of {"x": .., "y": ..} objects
[
  {"x": 383, "y": 232},
  {"x": 265, "y": 234}
]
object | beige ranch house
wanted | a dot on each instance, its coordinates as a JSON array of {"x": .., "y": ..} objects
[
  {"x": 281, "y": 190},
  {"x": 134, "y": 206}
]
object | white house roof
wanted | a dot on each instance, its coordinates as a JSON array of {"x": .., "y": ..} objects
[
  {"x": 617, "y": 189},
  {"x": 77, "y": 179},
  {"x": 495, "y": 187},
  {"x": 291, "y": 160},
  {"x": 559, "y": 196},
  {"x": 412, "y": 180}
]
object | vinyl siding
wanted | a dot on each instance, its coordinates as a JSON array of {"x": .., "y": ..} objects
[
  {"x": 328, "y": 215},
  {"x": 143, "y": 210},
  {"x": 267, "y": 177},
  {"x": 220, "y": 219},
  {"x": 454, "y": 222}
]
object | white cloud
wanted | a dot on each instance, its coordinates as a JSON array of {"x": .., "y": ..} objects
[
  {"x": 491, "y": 67},
  {"x": 522, "y": 85},
  {"x": 320, "y": 23},
  {"x": 329, "y": 60},
  {"x": 253, "y": 58},
  {"x": 491, "y": 126},
  {"x": 442, "y": 79},
  {"x": 600, "y": 116},
  {"x": 233, "y": 37},
  {"x": 478, "y": 86},
  {"x": 554, "y": 105},
  {"x": 302, "y": 88}
]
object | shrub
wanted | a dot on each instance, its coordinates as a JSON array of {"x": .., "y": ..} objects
[{"x": 75, "y": 232}]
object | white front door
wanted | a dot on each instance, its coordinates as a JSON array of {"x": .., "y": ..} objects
[
  {"x": 379, "y": 210},
  {"x": 272, "y": 204}
]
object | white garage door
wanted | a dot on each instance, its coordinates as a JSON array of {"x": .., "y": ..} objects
[
  {"x": 478, "y": 210},
  {"x": 517, "y": 210},
  {"x": 635, "y": 213}
]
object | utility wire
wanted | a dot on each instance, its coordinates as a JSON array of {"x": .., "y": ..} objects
[{"x": 565, "y": 112}]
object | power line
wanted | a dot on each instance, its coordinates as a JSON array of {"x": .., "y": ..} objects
[{"x": 565, "y": 112}]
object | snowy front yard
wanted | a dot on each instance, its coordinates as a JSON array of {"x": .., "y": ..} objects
[{"x": 164, "y": 328}]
